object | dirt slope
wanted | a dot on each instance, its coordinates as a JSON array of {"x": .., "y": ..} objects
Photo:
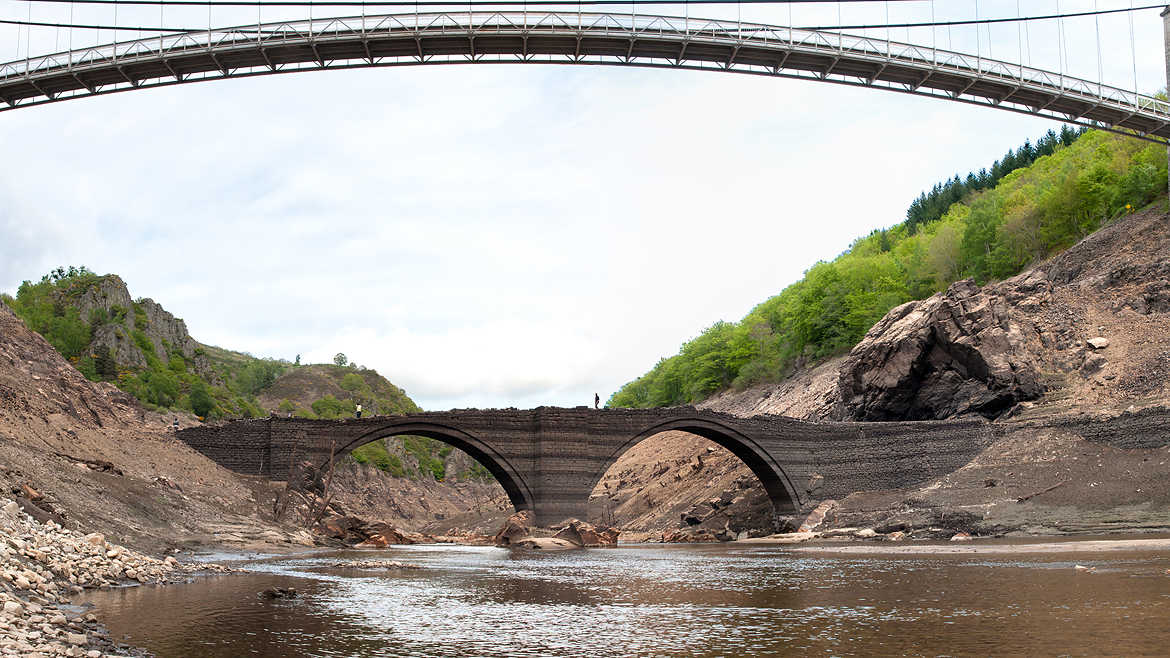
[
  {"x": 145, "y": 489},
  {"x": 1115, "y": 285},
  {"x": 421, "y": 505}
]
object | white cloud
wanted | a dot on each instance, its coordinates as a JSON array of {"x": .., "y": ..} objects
[{"x": 482, "y": 235}]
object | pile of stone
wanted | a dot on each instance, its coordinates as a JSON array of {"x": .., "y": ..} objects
[
  {"x": 374, "y": 564},
  {"x": 519, "y": 531},
  {"x": 41, "y": 565}
]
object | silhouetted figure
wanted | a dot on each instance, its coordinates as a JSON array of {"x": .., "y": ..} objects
[{"x": 596, "y": 401}]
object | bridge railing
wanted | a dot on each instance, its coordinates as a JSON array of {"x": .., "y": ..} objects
[{"x": 632, "y": 26}]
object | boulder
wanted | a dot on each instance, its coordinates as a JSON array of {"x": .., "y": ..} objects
[
  {"x": 1094, "y": 363},
  {"x": 785, "y": 538},
  {"x": 698, "y": 513},
  {"x": 380, "y": 535},
  {"x": 817, "y": 517},
  {"x": 279, "y": 593},
  {"x": 543, "y": 544},
  {"x": 961, "y": 536},
  {"x": 517, "y": 527},
  {"x": 609, "y": 536},
  {"x": 794, "y": 537},
  {"x": 31, "y": 494},
  {"x": 953, "y": 353},
  {"x": 39, "y": 513},
  {"x": 586, "y": 535},
  {"x": 1098, "y": 343},
  {"x": 348, "y": 529}
]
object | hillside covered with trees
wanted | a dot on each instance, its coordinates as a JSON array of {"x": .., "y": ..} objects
[
  {"x": 135, "y": 344},
  {"x": 335, "y": 390},
  {"x": 989, "y": 225}
]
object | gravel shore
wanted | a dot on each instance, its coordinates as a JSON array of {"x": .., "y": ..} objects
[{"x": 42, "y": 565}]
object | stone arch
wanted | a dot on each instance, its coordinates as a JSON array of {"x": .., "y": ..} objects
[
  {"x": 785, "y": 497},
  {"x": 513, "y": 482}
]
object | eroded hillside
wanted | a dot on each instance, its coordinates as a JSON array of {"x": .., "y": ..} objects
[
  {"x": 89, "y": 456},
  {"x": 1084, "y": 335}
]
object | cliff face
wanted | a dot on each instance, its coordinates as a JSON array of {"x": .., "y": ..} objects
[
  {"x": 110, "y": 299},
  {"x": 958, "y": 352}
]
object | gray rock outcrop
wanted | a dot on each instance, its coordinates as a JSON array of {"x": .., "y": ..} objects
[
  {"x": 110, "y": 297},
  {"x": 957, "y": 352}
]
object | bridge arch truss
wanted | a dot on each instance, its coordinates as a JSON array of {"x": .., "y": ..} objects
[{"x": 565, "y": 37}]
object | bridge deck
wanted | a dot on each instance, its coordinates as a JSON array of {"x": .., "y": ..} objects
[{"x": 577, "y": 38}]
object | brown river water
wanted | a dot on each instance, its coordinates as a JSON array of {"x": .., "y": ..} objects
[{"x": 654, "y": 600}]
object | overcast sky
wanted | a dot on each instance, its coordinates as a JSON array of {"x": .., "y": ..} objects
[{"x": 488, "y": 235}]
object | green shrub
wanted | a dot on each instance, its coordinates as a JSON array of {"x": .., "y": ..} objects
[
  {"x": 375, "y": 454},
  {"x": 258, "y": 374},
  {"x": 140, "y": 319},
  {"x": 352, "y": 382},
  {"x": 200, "y": 399},
  {"x": 104, "y": 365},
  {"x": 331, "y": 407}
]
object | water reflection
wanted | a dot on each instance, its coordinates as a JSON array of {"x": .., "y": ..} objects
[{"x": 659, "y": 600}]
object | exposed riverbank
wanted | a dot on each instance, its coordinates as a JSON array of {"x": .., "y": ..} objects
[
  {"x": 42, "y": 566},
  {"x": 992, "y": 547},
  {"x": 686, "y": 600}
]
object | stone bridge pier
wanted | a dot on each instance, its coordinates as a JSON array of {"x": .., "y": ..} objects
[{"x": 549, "y": 459}]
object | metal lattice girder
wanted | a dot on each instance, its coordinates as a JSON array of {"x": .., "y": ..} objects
[{"x": 582, "y": 38}]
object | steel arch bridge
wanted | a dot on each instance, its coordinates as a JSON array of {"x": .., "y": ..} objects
[{"x": 566, "y": 37}]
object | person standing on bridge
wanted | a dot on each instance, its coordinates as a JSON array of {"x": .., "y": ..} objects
[{"x": 596, "y": 401}]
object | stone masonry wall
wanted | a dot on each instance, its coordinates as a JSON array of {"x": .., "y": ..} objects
[{"x": 549, "y": 459}]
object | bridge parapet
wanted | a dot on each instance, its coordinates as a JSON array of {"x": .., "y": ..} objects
[{"x": 574, "y": 37}]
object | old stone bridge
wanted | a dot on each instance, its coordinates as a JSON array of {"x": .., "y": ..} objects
[{"x": 549, "y": 459}]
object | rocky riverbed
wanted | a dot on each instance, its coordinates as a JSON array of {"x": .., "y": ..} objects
[{"x": 43, "y": 565}]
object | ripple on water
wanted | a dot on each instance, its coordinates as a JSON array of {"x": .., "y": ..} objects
[{"x": 655, "y": 600}]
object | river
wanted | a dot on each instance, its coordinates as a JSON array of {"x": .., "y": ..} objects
[{"x": 656, "y": 600}]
